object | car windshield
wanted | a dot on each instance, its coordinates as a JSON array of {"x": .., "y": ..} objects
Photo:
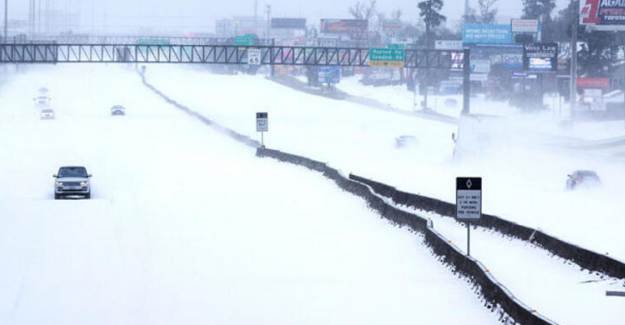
[{"x": 73, "y": 172}]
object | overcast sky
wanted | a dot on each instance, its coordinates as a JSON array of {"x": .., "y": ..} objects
[{"x": 202, "y": 13}]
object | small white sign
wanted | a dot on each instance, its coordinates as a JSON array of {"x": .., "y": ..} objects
[
  {"x": 254, "y": 57},
  {"x": 469, "y": 198},
  {"x": 448, "y": 45},
  {"x": 262, "y": 122},
  {"x": 525, "y": 26}
]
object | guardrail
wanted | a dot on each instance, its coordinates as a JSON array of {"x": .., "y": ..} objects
[
  {"x": 496, "y": 296},
  {"x": 585, "y": 258}
]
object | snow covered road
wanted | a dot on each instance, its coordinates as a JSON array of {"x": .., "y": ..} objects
[
  {"x": 187, "y": 226},
  {"x": 363, "y": 141}
]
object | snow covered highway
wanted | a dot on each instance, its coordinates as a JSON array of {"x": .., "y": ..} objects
[
  {"x": 187, "y": 226},
  {"x": 364, "y": 141}
]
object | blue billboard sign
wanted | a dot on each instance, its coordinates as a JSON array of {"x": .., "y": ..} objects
[
  {"x": 487, "y": 34},
  {"x": 330, "y": 75}
]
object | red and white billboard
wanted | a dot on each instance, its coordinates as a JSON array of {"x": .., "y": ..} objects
[
  {"x": 593, "y": 83},
  {"x": 605, "y": 15}
]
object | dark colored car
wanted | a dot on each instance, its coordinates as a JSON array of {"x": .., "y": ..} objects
[
  {"x": 118, "y": 110},
  {"x": 582, "y": 178},
  {"x": 72, "y": 181}
]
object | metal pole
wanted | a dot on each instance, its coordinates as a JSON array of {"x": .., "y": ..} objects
[
  {"x": 6, "y": 21},
  {"x": 468, "y": 238},
  {"x": 466, "y": 96},
  {"x": 573, "y": 90}
]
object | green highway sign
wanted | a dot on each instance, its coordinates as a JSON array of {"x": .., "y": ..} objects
[
  {"x": 387, "y": 57},
  {"x": 245, "y": 40}
]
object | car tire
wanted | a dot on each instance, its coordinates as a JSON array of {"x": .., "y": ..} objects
[
  {"x": 88, "y": 196},
  {"x": 57, "y": 197}
]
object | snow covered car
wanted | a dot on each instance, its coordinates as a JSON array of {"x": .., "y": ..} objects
[
  {"x": 118, "y": 110},
  {"x": 47, "y": 114},
  {"x": 582, "y": 178},
  {"x": 72, "y": 181},
  {"x": 42, "y": 101}
]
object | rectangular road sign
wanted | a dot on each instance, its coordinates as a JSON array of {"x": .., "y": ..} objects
[
  {"x": 387, "y": 57},
  {"x": 254, "y": 56},
  {"x": 262, "y": 122},
  {"x": 245, "y": 40},
  {"x": 469, "y": 198}
]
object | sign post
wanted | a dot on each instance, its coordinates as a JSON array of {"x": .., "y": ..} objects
[
  {"x": 468, "y": 203},
  {"x": 262, "y": 126}
]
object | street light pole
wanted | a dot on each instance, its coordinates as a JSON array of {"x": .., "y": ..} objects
[
  {"x": 573, "y": 90},
  {"x": 6, "y": 21}
]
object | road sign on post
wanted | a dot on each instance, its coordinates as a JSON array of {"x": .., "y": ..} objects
[
  {"x": 262, "y": 125},
  {"x": 468, "y": 203},
  {"x": 387, "y": 57},
  {"x": 254, "y": 57}
]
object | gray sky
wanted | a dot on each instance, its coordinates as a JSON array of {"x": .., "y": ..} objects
[{"x": 184, "y": 14}]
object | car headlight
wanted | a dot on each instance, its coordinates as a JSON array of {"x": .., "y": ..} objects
[
  {"x": 84, "y": 184},
  {"x": 59, "y": 184}
]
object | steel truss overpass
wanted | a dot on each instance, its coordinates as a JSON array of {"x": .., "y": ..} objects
[
  {"x": 52, "y": 53},
  {"x": 218, "y": 54}
]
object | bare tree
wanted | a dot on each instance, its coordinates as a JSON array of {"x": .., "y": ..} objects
[
  {"x": 396, "y": 14},
  {"x": 488, "y": 12},
  {"x": 363, "y": 10}
]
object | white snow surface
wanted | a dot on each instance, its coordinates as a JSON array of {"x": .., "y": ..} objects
[
  {"x": 521, "y": 157},
  {"x": 187, "y": 226}
]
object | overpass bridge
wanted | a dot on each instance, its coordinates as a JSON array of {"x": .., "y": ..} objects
[{"x": 55, "y": 53}]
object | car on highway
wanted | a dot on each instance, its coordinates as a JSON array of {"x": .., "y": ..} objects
[
  {"x": 118, "y": 110},
  {"x": 582, "y": 178},
  {"x": 71, "y": 182},
  {"x": 47, "y": 114},
  {"x": 42, "y": 101}
]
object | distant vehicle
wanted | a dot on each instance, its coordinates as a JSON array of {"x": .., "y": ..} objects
[
  {"x": 450, "y": 87},
  {"x": 582, "y": 178},
  {"x": 72, "y": 181},
  {"x": 118, "y": 110},
  {"x": 405, "y": 141},
  {"x": 42, "y": 100},
  {"x": 47, "y": 114}
]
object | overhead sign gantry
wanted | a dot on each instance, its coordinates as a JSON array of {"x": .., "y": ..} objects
[{"x": 53, "y": 53}]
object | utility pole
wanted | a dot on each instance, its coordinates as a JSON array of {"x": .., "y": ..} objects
[
  {"x": 466, "y": 9},
  {"x": 6, "y": 21},
  {"x": 573, "y": 90},
  {"x": 268, "y": 32}
]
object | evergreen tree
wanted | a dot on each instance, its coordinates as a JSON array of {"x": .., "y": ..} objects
[
  {"x": 541, "y": 10},
  {"x": 432, "y": 18}
]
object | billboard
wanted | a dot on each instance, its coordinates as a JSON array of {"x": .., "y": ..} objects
[
  {"x": 392, "y": 25},
  {"x": 330, "y": 75},
  {"x": 540, "y": 57},
  {"x": 605, "y": 15},
  {"x": 487, "y": 34},
  {"x": 591, "y": 82},
  {"x": 448, "y": 45},
  {"x": 524, "y": 25},
  {"x": 288, "y": 23},
  {"x": 344, "y": 26}
]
